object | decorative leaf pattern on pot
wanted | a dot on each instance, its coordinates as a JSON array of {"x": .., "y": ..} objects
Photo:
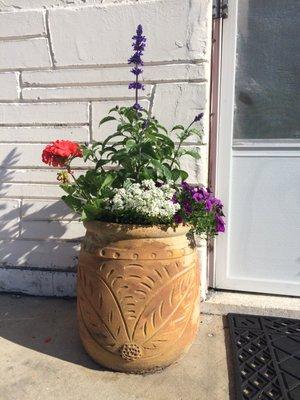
[
  {"x": 166, "y": 313},
  {"x": 144, "y": 304},
  {"x": 101, "y": 312}
]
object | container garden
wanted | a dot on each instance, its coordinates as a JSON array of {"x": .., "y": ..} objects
[{"x": 138, "y": 272}]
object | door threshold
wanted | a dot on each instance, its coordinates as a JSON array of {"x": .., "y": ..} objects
[{"x": 224, "y": 302}]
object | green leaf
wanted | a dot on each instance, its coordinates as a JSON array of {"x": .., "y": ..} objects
[
  {"x": 93, "y": 209},
  {"x": 125, "y": 127},
  {"x": 70, "y": 189},
  {"x": 116, "y": 134},
  {"x": 178, "y": 127},
  {"x": 184, "y": 175},
  {"x": 106, "y": 119},
  {"x": 87, "y": 152},
  {"x": 165, "y": 171},
  {"x": 111, "y": 149},
  {"x": 100, "y": 163},
  {"x": 74, "y": 203},
  {"x": 165, "y": 139},
  {"x": 193, "y": 153},
  {"x": 130, "y": 143},
  {"x": 147, "y": 149},
  {"x": 162, "y": 128},
  {"x": 175, "y": 174},
  {"x": 108, "y": 180},
  {"x": 195, "y": 131},
  {"x": 148, "y": 173},
  {"x": 182, "y": 136},
  {"x": 116, "y": 108}
]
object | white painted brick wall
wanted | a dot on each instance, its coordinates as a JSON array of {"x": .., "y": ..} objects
[
  {"x": 22, "y": 24},
  {"x": 9, "y": 84},
  {"x": 24, "y": 53},
  {"x": 63, "y": 65}
]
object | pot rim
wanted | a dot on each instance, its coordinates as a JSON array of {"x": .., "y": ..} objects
[{"x": 136, "y": 230}]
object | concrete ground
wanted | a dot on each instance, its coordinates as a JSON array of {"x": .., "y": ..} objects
[
  {"x": 41, "y": 357},
  {"x": 224, "y": 302}
]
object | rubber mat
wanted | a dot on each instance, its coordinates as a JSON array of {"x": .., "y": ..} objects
[{"x": 266, "y": 354}]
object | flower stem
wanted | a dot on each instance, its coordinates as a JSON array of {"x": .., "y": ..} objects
[
  {"x": 180, "y": 143},
  {"x": 136, "y": 89},
  {"x": 76, "y": 183},
  {"x": 176, "y": 152}
]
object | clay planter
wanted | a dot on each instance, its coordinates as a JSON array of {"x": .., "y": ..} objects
[{"x": 138, "y": 295}]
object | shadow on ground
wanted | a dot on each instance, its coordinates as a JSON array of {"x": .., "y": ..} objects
[
  {"x": 41, "y": 357},
  {"x": 49, "y": 327},
  {"x": 229, "y": 359}
]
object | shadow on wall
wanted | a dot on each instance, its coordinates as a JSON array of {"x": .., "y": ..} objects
[
  {"x": 31, "y": 248},
  {"x": 43, "y": 325},
  {"x": 8, "y": 217}
]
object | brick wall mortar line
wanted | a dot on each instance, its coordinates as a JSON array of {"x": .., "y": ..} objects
[
  {"x": 74, "y": 100},
  {"x": 110, "y": 83},
  {"x": 99, "y": 66},
  {"x": 49, "y": 41},
  {"x": 22, "y": 38},
  {"x": 19, "y": 88},
  {"x": 90, "y": 122}
]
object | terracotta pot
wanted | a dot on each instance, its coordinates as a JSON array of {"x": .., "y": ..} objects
[{"x": 138, "y": 295}]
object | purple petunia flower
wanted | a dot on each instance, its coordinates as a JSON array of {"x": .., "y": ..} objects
[
  {"x": 178, "y": 219},
  {"x": 220, "y": 224},
  {"x": 187, "y": 206},
  {"x": 198, "y": 197},
  {"x": 200, "y": 194},
  {"x": 217, "y": 203},
  {"x": 209, "y": 204},
  {"x": 175, "y": 199},
  {"x": 186, "y": 187}
]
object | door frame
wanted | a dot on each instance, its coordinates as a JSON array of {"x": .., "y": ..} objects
[
  {"x": 222, "y": 80},
  {"x": 223, "y": 154}
]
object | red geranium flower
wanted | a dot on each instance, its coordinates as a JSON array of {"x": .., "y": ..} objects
[{"x": 59, "y": 152}]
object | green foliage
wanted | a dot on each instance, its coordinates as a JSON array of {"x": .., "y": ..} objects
[
  {"x": 139, "y": 148},
  {"x": 133, "y": 217},
  {"x": 89, "y": 193},
  {"x": 203, "y": 222}
]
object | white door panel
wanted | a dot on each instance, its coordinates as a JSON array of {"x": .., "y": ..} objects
[
  {"x": 258, "y": 157},
  {"x": 265, "y": 220}
]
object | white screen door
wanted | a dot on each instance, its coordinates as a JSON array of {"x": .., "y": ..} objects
[{"x": 258, "y": 149}]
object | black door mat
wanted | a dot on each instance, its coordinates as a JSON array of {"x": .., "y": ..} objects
[{"x": 266, "y": 354}]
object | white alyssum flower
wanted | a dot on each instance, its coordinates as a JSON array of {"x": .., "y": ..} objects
[{"x": 145, "y": 199}]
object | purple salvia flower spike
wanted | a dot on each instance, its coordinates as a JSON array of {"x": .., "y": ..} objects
[
  {"x": 198, "y": 117},
  {"x": 138, "y": 45}
]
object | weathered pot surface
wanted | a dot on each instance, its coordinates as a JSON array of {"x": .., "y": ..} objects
[{"x": 138, "y": 295}]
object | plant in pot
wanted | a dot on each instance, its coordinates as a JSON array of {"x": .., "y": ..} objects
[{"x": 138, "y": 274}]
